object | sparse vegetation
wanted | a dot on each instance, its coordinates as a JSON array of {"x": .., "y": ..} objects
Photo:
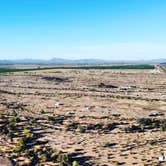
[
  {"x": 115, "y": 116},
  {"x": 57, "y": 119},
  {"x": 26, "y": 145},
  {"x": 75, "y": 163},
  {"x": 134, "y": 129},
  {"x": 63, "y": 159},
  {"x": 83, "y": 128},
  {"x": 163, "y": 125}
]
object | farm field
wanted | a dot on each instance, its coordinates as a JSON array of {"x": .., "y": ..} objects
[
  {"x": 31, "y": 68},
  {"x": 83, "y": 117}
]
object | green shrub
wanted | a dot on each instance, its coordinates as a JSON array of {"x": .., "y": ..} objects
[
  {"x": 21, "y": 145},
  {"x": 75, "y": 163},
  {"x": 149, "y": 123},
  {"x": 81, "y": 129},
  {"x": 72, "y": 126},
  {"x": 63, "y": 159},
  {"x": 28, "y": 134},
  {"x": 15, "y": 119},
  {"x": 134, "y": 129},
  {"x": 163, "y": 126}
]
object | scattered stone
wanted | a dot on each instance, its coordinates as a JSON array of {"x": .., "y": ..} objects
[{"x": 70, "y": 114}]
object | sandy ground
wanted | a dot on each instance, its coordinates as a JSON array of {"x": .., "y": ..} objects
[{"x": 96, "y": 107}]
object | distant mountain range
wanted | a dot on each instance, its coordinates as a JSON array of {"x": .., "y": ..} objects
[
  {"x": 79, "y": 61},
  {"x": 54, "y": 61}
]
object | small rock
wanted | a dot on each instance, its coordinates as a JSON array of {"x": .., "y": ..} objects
[{"x": 70, "y": 113}]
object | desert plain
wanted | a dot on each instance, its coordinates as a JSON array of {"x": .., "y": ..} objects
[{"x": 83, "y": 117}]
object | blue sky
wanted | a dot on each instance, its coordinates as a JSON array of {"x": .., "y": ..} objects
[{"x": 73, "y": 29}]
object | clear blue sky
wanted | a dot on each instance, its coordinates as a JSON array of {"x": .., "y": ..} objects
[{"x": 73, "y": 29}]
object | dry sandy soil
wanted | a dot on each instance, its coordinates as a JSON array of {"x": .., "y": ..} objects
[{"x": 98, "y": 117}]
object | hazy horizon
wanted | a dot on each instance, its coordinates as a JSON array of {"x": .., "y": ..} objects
[
  {"x": 72, "y": 29},
  {"x": 74, "y": 59}
]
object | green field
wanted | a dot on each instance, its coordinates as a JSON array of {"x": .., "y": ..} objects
[{"x": 9, "y": 70}]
